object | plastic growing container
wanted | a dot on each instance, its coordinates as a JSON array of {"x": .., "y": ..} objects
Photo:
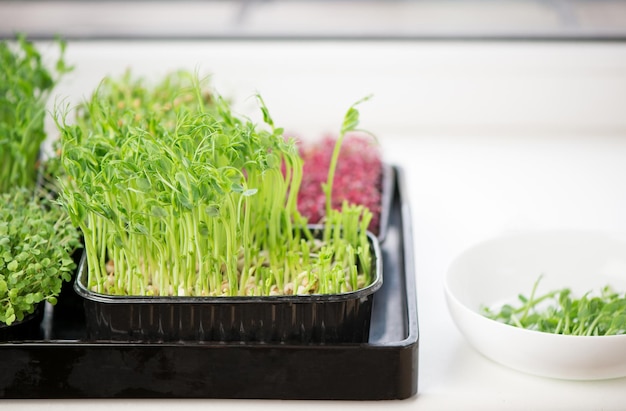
[
  {"x": 27, "y": 329},
  {"x": 319, "y": 318}
]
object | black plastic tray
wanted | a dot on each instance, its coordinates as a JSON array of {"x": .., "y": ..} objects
[{"x": 62, "y": 363}]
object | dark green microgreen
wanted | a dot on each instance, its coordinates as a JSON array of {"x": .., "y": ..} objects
[{"x": 37, "y": 241}]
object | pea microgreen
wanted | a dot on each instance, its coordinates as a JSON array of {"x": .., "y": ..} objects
[
  {"x": 350, "y": 123},
  {"x": 178, "y": 196},
  {"x": 559, "y": 312},
  {"x": 25, "y": 85}
]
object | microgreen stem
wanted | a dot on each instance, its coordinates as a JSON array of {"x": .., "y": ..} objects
[{"x": 350, "y": 123}]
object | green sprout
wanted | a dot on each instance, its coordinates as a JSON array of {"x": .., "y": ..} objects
[
  {"x": 37, "y": 240},
  {"x": 177, "y": 196},
  {"x": 350, "y": 123},
  {"x": 25, "y": 85}
]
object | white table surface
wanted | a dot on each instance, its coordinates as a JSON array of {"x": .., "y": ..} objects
[{"x": 492, "y": 137}]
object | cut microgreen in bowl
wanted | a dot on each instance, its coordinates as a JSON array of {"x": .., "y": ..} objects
[
  {"x": 560, "y": 312},
  {"x": 191, "y": 200},
  {"x": 569, "y": 326}
]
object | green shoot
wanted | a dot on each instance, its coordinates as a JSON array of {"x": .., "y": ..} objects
[
  {"x": 25, "y": 85},
  {"x": 36, "y": 245},
  {"x": 350, "y": 123},
  {"x": 559, "y": 312}
]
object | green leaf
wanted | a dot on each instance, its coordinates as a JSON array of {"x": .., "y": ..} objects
[
  {"x": 203, "y": 229},
  {"x": 237, "y": 188},
  {"x": 140, "y": 228},
  {"x": 143, "y": 184},
  {"x": 351, "y": 118},
  {"x": 13, "y": 265},
  {"x": 159, "y": 212},
  {"x": 212, "y": 211}
]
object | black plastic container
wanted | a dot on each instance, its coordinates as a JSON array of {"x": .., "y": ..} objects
[
  {"x": 318, "y": 318},
  {"x": 68, "y": 302},
  {"x": 28, "y": 328}
]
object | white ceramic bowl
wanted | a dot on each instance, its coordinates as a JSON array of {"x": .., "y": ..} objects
[{"x": 497, "y": 270}]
